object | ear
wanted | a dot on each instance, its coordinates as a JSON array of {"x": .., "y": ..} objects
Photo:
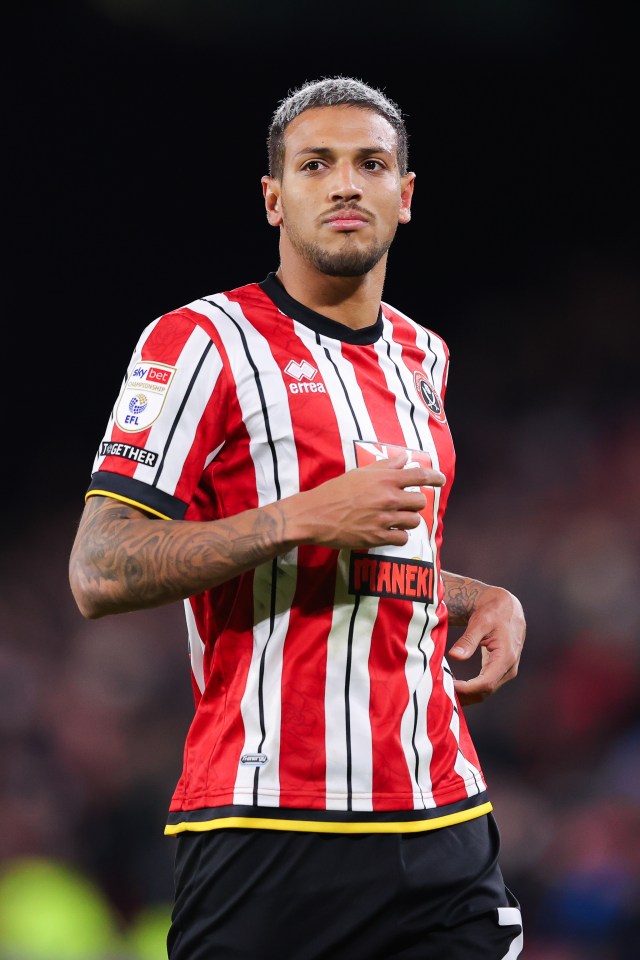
[
  {"x": 271, "y": 193},
  {"x": 406, "y": 195}
]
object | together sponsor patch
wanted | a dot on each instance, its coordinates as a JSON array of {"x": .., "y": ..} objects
[{"x": 111, "y": 448}]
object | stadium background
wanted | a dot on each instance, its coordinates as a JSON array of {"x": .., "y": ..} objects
[{"x": 134, "y": 143}]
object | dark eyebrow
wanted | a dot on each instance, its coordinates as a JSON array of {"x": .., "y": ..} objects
[{"x": 327, "y": 151}]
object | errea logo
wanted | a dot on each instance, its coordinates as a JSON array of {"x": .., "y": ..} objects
[{"x": 300, "y": 372}]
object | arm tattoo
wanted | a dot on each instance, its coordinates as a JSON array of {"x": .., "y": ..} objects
[
  {"x": 128, "y": 560},
  {"x": 460, "y": 595}
]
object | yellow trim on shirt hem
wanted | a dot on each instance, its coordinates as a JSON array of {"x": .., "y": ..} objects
[
  {"x": 133, "y": 503},
  {"x": 325, "y": 826}
]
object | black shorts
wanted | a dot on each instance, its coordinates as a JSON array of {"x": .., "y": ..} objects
[{"x": 245, "y": 894}]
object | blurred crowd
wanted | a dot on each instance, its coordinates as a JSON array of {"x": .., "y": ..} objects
[{"x": 93, "y": 714}]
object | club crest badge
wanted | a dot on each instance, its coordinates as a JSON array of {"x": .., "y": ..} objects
[{"x": 427, "y": 393}]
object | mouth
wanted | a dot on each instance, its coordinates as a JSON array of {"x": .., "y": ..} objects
[{"x": 347, "y": 220}]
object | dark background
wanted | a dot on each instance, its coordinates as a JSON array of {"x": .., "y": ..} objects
[{"x": 134, "y": 145}]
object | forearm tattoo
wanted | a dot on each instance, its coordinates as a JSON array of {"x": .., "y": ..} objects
[
  {"x": 461, "y": 596},
  {"x": 139, "y": 561}
]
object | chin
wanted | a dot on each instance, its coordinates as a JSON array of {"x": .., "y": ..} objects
[{"x": 350, "y": 263}]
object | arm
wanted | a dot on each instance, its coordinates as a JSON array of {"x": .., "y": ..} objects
[
  {"x": 495, "y": 622},
  {"x": 124, "y": 560}
]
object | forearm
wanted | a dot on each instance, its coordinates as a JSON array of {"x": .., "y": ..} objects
[
  {"x": 123, "y": 560},
  {"x": 461, "y": 596}
]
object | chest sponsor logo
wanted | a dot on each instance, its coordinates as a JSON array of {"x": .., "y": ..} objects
[
  {"x": 143, "y": 397},
  {"x": 405, "y": 572},
  {"x": 377, "y": 576},
  {"x": 144, "y": 457},
  {"x": 253, "y": 759},
  {"x": 304, "y": 375},
  {"x": 427, "y": 393}
]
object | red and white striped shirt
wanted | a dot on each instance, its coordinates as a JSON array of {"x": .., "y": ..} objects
[{"x": 323, "y": 699}]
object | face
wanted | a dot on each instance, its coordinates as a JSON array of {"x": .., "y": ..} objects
[{"x": 341, "y": 195}]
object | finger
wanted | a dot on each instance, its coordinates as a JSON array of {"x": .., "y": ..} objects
[
  {"x": 479, "y": 688},
  {"x": 465, "y": 645},
  {"x": 405, "y": 520},
  {"x": 393, "y": 537},
  {"x": 409, "y": 476},
  {"x": 412, "y": 502},
  {"x": 421, "y": 477},
  {"x": 396, "y": 463}
]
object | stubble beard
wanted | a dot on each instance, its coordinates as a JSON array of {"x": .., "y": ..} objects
[{"x": 348, "y": 261}]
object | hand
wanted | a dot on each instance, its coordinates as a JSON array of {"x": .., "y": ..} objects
[
  {"x": 497, "y": 626},
  {"x": 365, "y": 507}
]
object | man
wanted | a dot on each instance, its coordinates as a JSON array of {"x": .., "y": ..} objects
[{"x": 279, "y": 459}]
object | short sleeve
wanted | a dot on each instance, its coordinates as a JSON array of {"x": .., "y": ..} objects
[{"x": 168, "y": 421}]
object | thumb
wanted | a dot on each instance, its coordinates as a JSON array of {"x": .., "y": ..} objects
[{"x": 464, "y": 646}]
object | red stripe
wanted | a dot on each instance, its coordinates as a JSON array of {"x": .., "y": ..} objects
[
  {"x": 302, "y": 732},
  {"x": 389, "y": 696},
  {"x": 216, "y": 737},
  {"x": 444, "y": 779},
  {"x": 389, "y": 693}
]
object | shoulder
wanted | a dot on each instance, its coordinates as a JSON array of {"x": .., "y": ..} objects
[
  {"x": 419, "y": 330},
  {"x": 209, "y": 310},
  {"x": 232, "y": 303}
]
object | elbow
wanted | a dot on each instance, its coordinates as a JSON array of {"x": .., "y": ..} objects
[
  {"x": 88, "y": 600},
  {"x": 89, "y": 606}
]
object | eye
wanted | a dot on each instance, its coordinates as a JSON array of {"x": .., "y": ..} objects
[
  {"x": 312, "y": 166},
  {"x": 372, "y": 164}
]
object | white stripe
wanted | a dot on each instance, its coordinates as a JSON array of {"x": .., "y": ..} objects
[
  {"x": 337, "y": 648},
  {"x": 214, "y": 453},
  {"x": 507, "y": 917},
  {"x": 470, "y": 774},
  {"x": 433, "y": 349},
  {"x": 191, "y": 416},
  {"x": 431, "y": 344},
  {"x": 420, "y": 682},
  {"x": 359, "y": 696},
  {"x": 264, "y": 637},
  {"x": 472, "y": 777},
  {"x": 419, "y": 679},
  {"x": 196, "y": 647}
]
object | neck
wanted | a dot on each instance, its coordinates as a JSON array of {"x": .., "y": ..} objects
[{"x": 353, "y": 301}]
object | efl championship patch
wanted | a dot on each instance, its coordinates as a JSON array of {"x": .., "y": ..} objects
[{"x": 143, "y": 397}]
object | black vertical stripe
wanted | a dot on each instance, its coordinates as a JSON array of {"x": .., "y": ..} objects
[
  {"x": 178, "y": 415},
  {"x": 412, "y": 409},
  {"x": 272, "y": 620},
  {"x": 347, "y": 679},
  {"x": 347, "y": 682},
  {"x": 435, "y": 357},
  {"x": 479, "y": 786},
  {"x": 342, "y": 384},
  {"x": 274, "y": 564},
  {"x": 260, "y": 389},
  {"x": 425, "y": 666}
]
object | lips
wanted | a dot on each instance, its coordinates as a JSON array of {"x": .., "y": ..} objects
[
  {"x": 347, "y": 220},
  {"x": 347, "y": 215}
]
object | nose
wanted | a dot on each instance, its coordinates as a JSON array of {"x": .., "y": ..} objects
[{"x": 345, "y": 183}]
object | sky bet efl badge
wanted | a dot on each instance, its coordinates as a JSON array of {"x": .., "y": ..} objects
[{"x": 143, "y": 396}]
